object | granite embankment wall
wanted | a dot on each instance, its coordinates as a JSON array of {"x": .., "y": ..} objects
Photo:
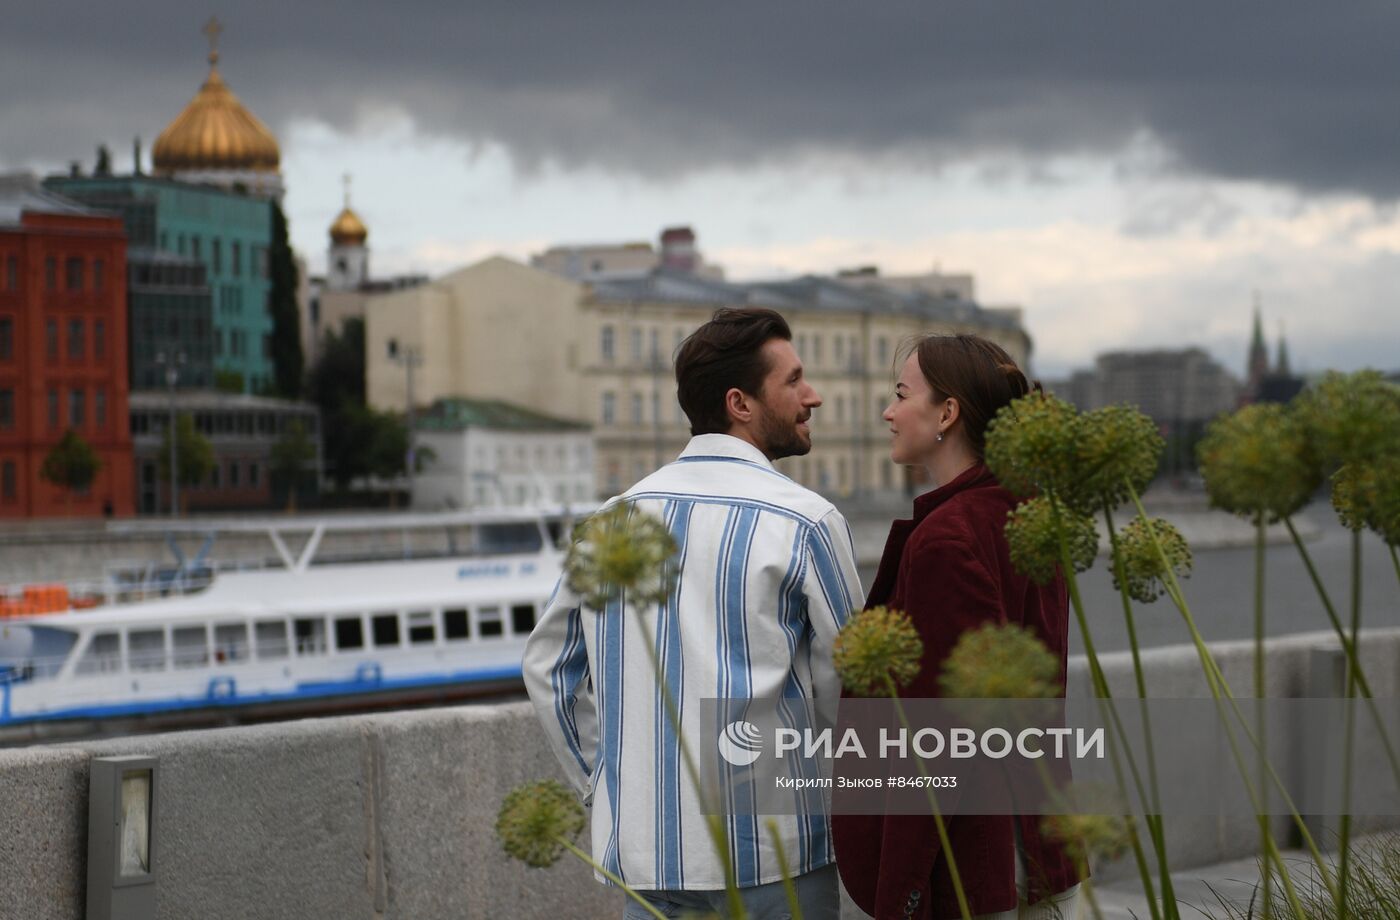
[{"x": 392, "y": 815}]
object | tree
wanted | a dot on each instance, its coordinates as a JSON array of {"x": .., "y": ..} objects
[
  {"x": 72, "y": 465},
  {"x": 288, "y": 363},
  {"x": 337, "y": 385},
  {"x": 290, "y": 457},
  {"x": 194, "y": 455}
]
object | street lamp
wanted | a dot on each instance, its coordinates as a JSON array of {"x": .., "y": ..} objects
[
  {"x": 410, "y": 357},
  {"x": 172, "y": 364}
]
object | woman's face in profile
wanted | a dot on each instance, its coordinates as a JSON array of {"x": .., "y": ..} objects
[{"x": 913, "y": 417}]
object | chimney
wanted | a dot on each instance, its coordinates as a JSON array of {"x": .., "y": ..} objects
[
  {"x": 136, "y": 157},
  {"x": 678, "y": 249}
]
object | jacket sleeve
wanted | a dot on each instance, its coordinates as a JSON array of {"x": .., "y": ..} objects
[
  {"x": 947, "y": 591},
  {"x": 560, "y": 685},
  {"x": 832, "y": 590}
]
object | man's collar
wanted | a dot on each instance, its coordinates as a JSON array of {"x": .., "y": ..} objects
[{"x": 724, "y": 445}]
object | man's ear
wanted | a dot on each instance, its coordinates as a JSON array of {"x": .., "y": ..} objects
[{"x": 737, "y": 404}]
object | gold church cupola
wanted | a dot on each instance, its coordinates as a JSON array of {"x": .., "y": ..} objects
[{"x": 215, "y": 133}]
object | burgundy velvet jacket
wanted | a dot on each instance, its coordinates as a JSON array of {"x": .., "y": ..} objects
[{"x": 949, "y": 568}]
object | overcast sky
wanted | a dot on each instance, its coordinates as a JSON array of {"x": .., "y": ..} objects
[{"x": 1129, "y": 173}]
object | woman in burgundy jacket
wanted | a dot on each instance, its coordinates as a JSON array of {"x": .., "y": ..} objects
[{"x": 948, "y": 567}]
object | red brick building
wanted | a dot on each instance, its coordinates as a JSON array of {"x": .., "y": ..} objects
[{"x": 63, "y": 350}]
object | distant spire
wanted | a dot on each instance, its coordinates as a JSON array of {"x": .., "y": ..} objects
[
  {"x": 212, "y": 28},
  {"x": 1282, "y": 369},
  {"x": 1258, "y": 361}
]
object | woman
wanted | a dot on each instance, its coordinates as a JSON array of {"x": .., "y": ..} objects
[{"x": 949, "y": 569}]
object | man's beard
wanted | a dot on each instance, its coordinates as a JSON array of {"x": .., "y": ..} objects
[{"x": 781, "y": 438}]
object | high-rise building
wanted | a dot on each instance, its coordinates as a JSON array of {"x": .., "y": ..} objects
[{"x": 63, "y": 350}]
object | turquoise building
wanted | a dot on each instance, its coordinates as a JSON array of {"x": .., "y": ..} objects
[{"x": 228, "y": 232}]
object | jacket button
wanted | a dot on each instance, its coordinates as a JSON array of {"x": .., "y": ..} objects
[{"x": 915, "y": 895}]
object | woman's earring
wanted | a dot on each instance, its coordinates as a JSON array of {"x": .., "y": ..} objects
[{"x": 940, "y": 436}]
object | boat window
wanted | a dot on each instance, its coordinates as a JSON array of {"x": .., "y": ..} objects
[
  {"x": 455, "y": 625},
  {"x": 488, "y": 622},
  {"x": 349, "y": 634},
  {"x": 230, "y": 642},
  {"x": 103, "y": 654},
  {"x": 191, "y": 645},
  {"x": 385, "y": 628},
  {"x": 522, "y": 619},
  {"x": 270, "y": 638},
  {"x": 420, "y": 627},
  {"x": 146, "y": 649},
  {"x": 311, "y": 636}
]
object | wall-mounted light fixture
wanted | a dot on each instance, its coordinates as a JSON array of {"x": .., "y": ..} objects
[{"x": 123, "y": 793}]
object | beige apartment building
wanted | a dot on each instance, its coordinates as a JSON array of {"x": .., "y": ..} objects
[{"x": 601, "y": 352}]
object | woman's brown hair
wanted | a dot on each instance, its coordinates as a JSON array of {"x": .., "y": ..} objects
[{"x": 976, "y": 372}]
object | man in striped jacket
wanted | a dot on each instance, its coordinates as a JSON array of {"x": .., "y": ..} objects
[{"x": 767, "y": 576}]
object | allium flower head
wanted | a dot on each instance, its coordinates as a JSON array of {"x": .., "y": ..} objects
[
  {"x": 1000, "y": 661},
  {"x": 534, "y": 819},
  {"x": 1033, "y": 445},
  {"x": 1352, "y": 418},
  {"x": 1118, "y": 447},
  {"x": 1034, "y": 542},
  {"x": 876, "y": 644},
  {"x": 1258, "y": 460},
  {"x": 1088, "y": 836},
  {"x": 1368, "y": 495},
  {"x": 1142, "y": 565},
  {"x": 621, "y": 549}
]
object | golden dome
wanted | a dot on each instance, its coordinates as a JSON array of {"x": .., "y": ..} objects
[
  {"x": 215, "y": 131},
  {"x": 348, "y": 229}
]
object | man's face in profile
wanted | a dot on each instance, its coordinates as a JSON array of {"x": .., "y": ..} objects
[{"x": 784, "y": 403}]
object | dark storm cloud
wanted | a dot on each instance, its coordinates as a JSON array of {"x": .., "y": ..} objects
[{"x": 1309, "y": 97}]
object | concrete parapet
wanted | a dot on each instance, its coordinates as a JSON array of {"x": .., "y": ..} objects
[{"x": 392, "y": 815}]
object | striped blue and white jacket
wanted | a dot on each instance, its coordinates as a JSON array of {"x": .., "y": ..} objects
[{"x": 767, "y": 578}]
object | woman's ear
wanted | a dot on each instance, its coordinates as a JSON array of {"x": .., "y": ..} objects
[{"x": 950, "y": 414}]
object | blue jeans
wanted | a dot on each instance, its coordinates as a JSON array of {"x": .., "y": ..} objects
[{"x": 818, "y": 892}]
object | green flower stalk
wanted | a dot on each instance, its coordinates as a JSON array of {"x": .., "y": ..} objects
[
  {"x": 876, "y": 647},
  {"x": 621, "y": 550},
  {"x": 1352, "y": 418},
  {"x": 1119, "y": 448},
  {"x": 1259, "y": 461},
  {"x": 1033, "y": 445},
  {"x": 1000, "y": 661},
  {"x": 1033, "y": 538},
  {"x": 537, "y": 820},
  {"x": 1143, "y": 569}
]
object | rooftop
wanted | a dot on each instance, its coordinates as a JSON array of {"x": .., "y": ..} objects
[
  {"x": 20, "y": 192},
  {"x": 456, "y": 414}
]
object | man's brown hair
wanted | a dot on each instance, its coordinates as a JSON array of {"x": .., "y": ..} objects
[{"x": 724, "y": 353}]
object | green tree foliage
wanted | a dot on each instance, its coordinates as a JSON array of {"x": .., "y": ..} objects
[
  {"x": 292, "y": 457},
  {"x": 287, "y": 358},
  {"x": 194, "y": 455},
  {"x": 72, "y": 465}
]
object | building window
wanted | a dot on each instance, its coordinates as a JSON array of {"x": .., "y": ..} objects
[
  {"x": 816, "y": 349},
  {"x": 99, "y": 407},
  {"x": 233, "y": 472},
  {"x": 214, "y": 476},
  {"x": 216, "y": 255},
  {"x": 73, "y": 274},
  {"x": 51, "y": 273},
  {"x": 609, "y": 408},
  {"x": 882, "y": 350},
  {"x": 99, "y": 274},
  {"x": 8, "y": 487},
  {"x": 237, "y": 254},
  {"x": 99, "y": 339},
  {"x": 605, "y": 343},
  {"x": 53, "y": 407},
  {"x": 840, "y": 349},
  {"x": 840, "y": 410},
  {"x": 218, "y": 341},
  {"x": 51, "y": 339},
  {"x": 77, "y": 408},
  {"x": 252, "y": 474},
  {"x": 7, "y": 409},
  {"x": 12, "y": 274},
  {"x": 636, "y": 408},
  {"x": 636, "y": 345},
  {"x": 75, "y": 340},
  {"x": 196, "y": 249},
  {"x": 180, "y": 244},
  {"x": 7, "y": 338}
]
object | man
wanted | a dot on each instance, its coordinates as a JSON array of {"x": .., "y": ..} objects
[{"x": 767, "y": 577}]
